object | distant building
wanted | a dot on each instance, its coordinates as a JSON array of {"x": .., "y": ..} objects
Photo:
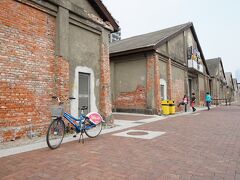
[
  {"x": 116, "y": 36},
  {"x": 152, "y": 67},
  {"x": 218, "y": 83},
  {"x": 235, "y": 85},
  {"x": 237, "y": 73},
  {"x": 230, "y": 87}
]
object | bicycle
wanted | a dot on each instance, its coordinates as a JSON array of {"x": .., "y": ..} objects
[{"x": 90, "y": 124}]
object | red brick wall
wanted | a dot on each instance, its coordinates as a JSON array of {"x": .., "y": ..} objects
[
  {"x": 169, "y": 77},
  {"x": 132, "y": 100},
  {"x": 157, "y": 89},
  {"x": 27, "y": 69},
  {"x": 105, "y": 92},
  {"x": 178, "y": 92}
]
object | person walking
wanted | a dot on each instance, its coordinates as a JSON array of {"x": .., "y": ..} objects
[
  {"x": 193, "y": 99},
  {"x": 184, "y": 102},
  {"x": 208, "y": 100}
]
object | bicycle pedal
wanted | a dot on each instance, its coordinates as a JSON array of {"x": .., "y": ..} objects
[{"x": 74, "y": 135}]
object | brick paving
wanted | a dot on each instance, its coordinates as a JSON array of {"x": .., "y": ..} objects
[
  {"x": 202, "y": 146},
  {"x": 130, "y": 118}
]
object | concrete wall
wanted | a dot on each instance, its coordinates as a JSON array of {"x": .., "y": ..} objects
[
  {"x": 128, "y": 79},
  {"x": 86, "y": 5},
  {"x": 163, "y": 49},
  {"x": 176, "y": 48},
  {"x": 84, "y": 56},
  {"x": 190, "y": 41}
]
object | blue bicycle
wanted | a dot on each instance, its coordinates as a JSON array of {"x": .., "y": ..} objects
[{"x": 90, "y": 124}]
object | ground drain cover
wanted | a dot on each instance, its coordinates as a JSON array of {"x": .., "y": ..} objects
[
  {"x": 139, "y": 122},
  {"x": 140, "y": 134}
]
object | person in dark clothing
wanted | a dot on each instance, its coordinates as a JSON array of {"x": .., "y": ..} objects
[
  {"x": 184, "y": 102},
  {"x": 193, "y": 99}
]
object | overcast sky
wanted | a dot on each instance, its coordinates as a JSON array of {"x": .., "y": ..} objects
[{"x": 217, "y": 23}]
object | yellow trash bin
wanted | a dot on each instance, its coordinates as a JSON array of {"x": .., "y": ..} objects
[
  {"x": 171, "y": 107},
  {"x": 165, "y": 107}
]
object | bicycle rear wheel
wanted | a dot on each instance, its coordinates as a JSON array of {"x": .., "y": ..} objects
[
  {"x": 55, "y": 133},
  {"x": 94, "y": 131}
]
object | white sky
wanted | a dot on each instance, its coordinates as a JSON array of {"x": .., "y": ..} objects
[{"x": 217, "y": 23}]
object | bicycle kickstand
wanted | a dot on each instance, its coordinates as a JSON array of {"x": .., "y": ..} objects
[{"x": 81, "y": 137}]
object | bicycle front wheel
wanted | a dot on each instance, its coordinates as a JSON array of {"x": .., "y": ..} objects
[
  {"x": 55, "y": 133},
  {"x": 93, "y": 131}
]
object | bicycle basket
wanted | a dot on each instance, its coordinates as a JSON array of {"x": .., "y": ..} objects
[{"x": 57, "y": 111}]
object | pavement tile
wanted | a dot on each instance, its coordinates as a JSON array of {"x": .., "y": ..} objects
[{"x": 203, "y": 146}]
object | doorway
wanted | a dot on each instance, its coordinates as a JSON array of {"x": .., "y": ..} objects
[
  {"x": 84, "y": 92},
  {"x": 189, "y": 88}
]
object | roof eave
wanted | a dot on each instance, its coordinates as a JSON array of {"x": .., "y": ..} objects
[
  {"x": 102, "y": 10},
  {"x": 132, "y": 51}
]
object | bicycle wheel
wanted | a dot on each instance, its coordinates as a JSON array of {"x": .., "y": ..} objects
[
  {"x": 55, "y": 133},
  {"x": 94, "y": 131}
]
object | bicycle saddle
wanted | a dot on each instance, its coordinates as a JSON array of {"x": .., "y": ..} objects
[{"x": 84, "y": 107}]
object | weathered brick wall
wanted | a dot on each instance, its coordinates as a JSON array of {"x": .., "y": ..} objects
[
  {"x": 178, "y": 92},
  {"x": 178, "y": 86},
  {"x": 202, "y": 90},
  {"x": 132, "y": 100},
  {"x": 27, "y": 69},
  {"x": 169, "y": 79},
  {"x": 157, "y": 89},
  {"x": 105, "y": 91},
  {"x": 153, "y": 83}
]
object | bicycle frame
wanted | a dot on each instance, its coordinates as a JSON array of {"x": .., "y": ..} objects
[{"x": 79, "y": 127}]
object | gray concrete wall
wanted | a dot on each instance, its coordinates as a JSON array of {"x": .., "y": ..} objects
[
  {"x": 176, "y": 48},
  {"x": 84, "y": 51},
  {"x": 85, "y": 5},
  {"x": 163, "y": 49},
  {"x": 129, "y": 72},
  {"x": 191, "y": 42},
  {"x": 163, "y": 70},
  {"x": 80, "y": 42}
]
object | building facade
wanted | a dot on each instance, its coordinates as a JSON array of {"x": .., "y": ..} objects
[
  {"x": 230, "y": 87},
  {"x": 218, "y": 83},
  {"x": 52, "y": 47},
  {"x": 161, "y": 65},
  {"x": 235, "y": 85},
  {"x": 116, "y": 36}
]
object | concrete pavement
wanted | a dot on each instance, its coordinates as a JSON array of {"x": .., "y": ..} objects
[{"x": 202, "y": 145}]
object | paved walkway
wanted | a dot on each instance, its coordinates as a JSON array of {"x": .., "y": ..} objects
[{"x": 202, "y": 145}]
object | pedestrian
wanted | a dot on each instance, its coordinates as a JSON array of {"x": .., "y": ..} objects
[
  {"x": 184, "y": 102},
  {"x": 193, "y": 99},
  {"x": 208, "y": 100}
]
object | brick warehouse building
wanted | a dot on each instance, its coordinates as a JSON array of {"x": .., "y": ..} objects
[
  {"x": 218, "y": 83},
  {"x": 52, "y": 47},
  {"x": 148, "y": 68}
]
